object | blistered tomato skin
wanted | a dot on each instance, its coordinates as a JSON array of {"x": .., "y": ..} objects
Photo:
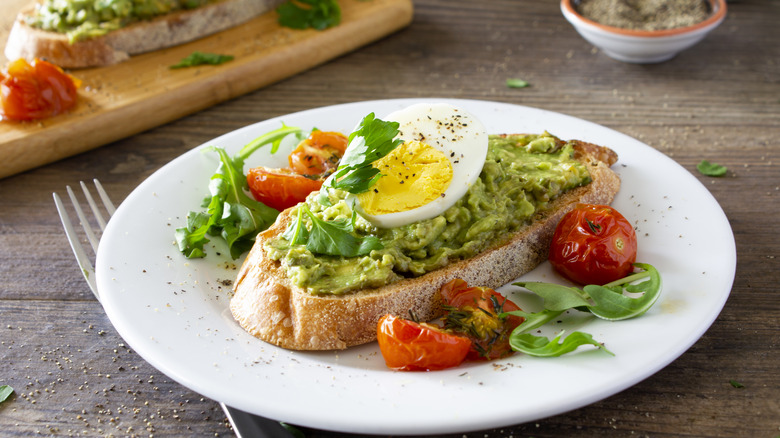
[
  {"x": 593, "y": 244},
  {"x": 410, "y": 346},
  {"x": 311, "y": 162},
  {"x": 474, "y": 314},
  {"x": 36, "y": 91},
  {"x": 319, "y": 154},
  {"x": 280, "y": 188}
]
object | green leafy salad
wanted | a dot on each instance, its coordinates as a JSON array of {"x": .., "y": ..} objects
[{"x": 230, "y": 212}]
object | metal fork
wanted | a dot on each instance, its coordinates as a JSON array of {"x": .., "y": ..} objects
[
  {"x": 244, "y": 424},
  {"x": 75, "y": 243}
]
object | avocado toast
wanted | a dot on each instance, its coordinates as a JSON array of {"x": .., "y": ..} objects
[
  {"x": 284, "y": 311},
  {"x": 79, "y": 34}
]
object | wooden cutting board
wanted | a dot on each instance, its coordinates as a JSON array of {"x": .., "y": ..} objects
[{"x": 139, "y": 94}]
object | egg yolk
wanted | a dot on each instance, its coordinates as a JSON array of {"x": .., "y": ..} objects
[{"x": 413, "y": 174}]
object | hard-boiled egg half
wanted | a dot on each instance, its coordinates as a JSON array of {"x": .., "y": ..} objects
[{"x": 442, "y": 154}]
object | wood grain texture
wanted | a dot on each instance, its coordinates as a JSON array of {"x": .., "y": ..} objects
[
  {"x": 143, "y": 92},
  {"x": 718, "y": 101}
]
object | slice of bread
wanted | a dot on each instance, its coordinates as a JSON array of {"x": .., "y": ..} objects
[
  {"x": 267, "y": 305},
  {"x": 144, "y": 36}
]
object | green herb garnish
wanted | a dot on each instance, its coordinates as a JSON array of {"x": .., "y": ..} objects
[
  {"x": 230, "y": 212},
  {"x": 201, "y": 58},
  {"x": 605, "y": 302},
  {"x": 5, "y": 392},
  {"x": 303, "y": 14},
  {"x": 736, "y": 384},
  {"x": 294, "y": 431},
  {"x": 540, "y": 346},
  {"x": 517, "y": 83},
  {"x": 595, "y": 228},
  {"x": 334, "y": 238},
  {"x": 711, "y": 169},
  {"x": 370, "y": 142}
]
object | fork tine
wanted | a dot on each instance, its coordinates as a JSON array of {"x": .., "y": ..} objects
[
  {"x": 93, "y": 206},
  {"x": 104, "y": 197},
  {"x": 78, "y": 250},
  {"x": 84, "y": 224}
]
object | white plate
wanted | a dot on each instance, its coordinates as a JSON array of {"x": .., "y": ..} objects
[{"x": 174, "y": 311}]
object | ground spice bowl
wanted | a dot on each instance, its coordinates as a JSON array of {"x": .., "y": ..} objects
[{"x": 642, "y": 46}]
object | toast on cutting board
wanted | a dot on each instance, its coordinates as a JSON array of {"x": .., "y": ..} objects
[{"x": 146, "y": 35}]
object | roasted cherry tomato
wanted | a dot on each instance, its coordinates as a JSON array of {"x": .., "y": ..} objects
[
  {"x": 474, "y": 312},
  {"x": 593, "y": 244},
  {"x": 411, "y": 346},
  {"x": 280, "y": 188},
  {"x": 319, "y": 154},
  {"x": 314, "y": 159},
  {"x": 36, "y": 91}
]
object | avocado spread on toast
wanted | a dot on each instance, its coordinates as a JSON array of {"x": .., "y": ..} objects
[
  {"x": 521, "y": 176},
  {"x": 84, "y": 19}
]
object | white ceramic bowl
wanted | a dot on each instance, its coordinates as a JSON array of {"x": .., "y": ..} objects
[{"x": 642, "y": 46}]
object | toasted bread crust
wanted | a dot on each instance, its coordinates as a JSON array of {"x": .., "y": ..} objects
[
  {"x": 164, "y": 31},
  {"x": 269, "y": 307}
]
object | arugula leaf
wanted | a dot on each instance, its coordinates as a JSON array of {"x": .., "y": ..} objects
[
  {"x": 711, "y": 169},
  {"x": 274, "y": 138},
  {"x": 556, "y": 297},
  {"x": 230, "y": 212},
  {"x": 540, "y": 346},
  {"x": 297, "y": 233},
  {"x": 330, "y": 237},
  {"x": 371, "y": 141},
  {"x": 614, "y": 306},
  {"x": 303, "y": 14},
  {"x": 606, "y": 302},
  {"x": 5, "y": 392},
  {"x": 521, "y": 340},
  {"x": 201, "y": 58},
  {"x": 192, "y": 238},
  {"x": 534, "y": 320},
  {"x": 516, "y": 83}
]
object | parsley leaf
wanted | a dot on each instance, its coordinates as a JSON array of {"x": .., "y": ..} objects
[
  {"x": 371, "y": 141},
  {"x": 5, "y": 392},
  {"x": 200, "y": 58},
  {"x": 303, "y": 14},
  {"x": 736, "y": 384},
  {"x": 334, "y": 238},
  {"x": 711, "y": 169},
  {"x": 230, "y": 212}
]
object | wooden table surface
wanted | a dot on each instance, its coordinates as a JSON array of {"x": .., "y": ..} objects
[{"x": 73, "y": 375}]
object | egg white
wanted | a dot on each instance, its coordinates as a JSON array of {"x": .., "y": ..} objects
[{"x": 453, "y": 131}]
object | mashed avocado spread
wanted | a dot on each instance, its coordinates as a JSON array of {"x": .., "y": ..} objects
[
  {"x": 83, "y": 19},
  {"x": 521, "y": 176}
]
